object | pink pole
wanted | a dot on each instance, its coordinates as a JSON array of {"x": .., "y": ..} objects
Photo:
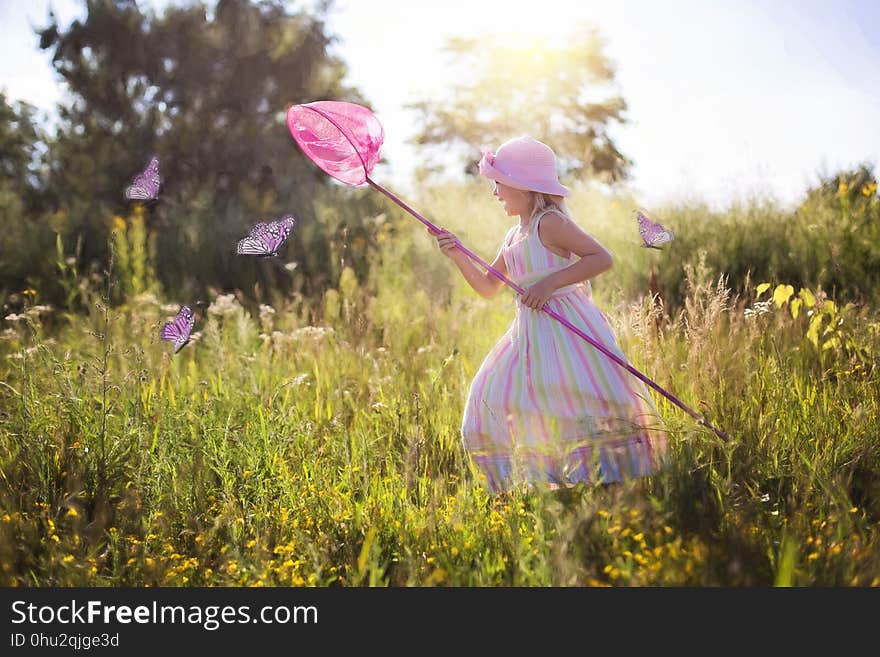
[{"x": 675, "y": 400}]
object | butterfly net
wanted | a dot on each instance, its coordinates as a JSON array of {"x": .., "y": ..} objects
[{"x": 341, "y": 138}]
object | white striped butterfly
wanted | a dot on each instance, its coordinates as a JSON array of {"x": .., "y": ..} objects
[
  {"x": 653, "y": 234},
  {"x": 179, "y": 329},
  {"x": 145, "y": 185},
  {"x": 265, "y": 239}
]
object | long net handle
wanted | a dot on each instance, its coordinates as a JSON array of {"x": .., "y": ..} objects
[{"x": 632, "y": 370}]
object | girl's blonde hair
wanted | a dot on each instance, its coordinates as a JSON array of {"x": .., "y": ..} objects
[{"x": 541, "y": 202}]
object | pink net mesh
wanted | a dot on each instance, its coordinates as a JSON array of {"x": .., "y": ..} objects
[{"x": 341, "y": 138}]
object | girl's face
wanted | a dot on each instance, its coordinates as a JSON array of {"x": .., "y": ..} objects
[{"x": 515, "y": 201}]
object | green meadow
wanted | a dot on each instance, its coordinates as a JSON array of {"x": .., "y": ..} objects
[{"x": 315, "y": 441}]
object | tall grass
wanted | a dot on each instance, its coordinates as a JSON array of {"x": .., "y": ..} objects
[{"x": 317, "y": 443}]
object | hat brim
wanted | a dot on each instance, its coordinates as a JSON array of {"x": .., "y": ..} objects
[{"x": 545, "y": 187}]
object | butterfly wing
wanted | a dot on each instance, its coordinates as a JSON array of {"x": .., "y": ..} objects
[
  {"x": 265, "y": 239},
  {"x": 273, "y": 237},
  {"x": 179, "y": 329},
  {"x": 252, "y": 246},
  {"x": 662, "y": 237},
  {"x": 288, "y": 221},
  {"x": 277, "y": 233},
  {"x": 257, "y": 229},
  {"x": 138, "y": 191},
  {"x": 145, "y": 185},
  {"x": 653, "y": 234}
]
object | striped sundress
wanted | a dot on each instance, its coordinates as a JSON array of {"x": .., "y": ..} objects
[{"x": 546, "y": 406}]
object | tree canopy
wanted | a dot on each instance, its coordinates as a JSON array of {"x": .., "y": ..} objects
[
  {"x": 207, "y": 91},
  {"x": 23, "y": 234},
  {"x": 561, "y": 93}
]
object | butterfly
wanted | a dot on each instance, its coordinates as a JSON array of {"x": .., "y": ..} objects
[
  {"x": 653, "y": 234},
  {"x": 178, "y": 330},
  {"x": 145, "y": 185},
  {"x": 265, "y": 239}
]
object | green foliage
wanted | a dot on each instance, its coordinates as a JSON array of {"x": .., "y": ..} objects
[
  {"x": 300, "y": 448},
  {"x": 828, "y": 327},
  {"x": 206, "y": 92},
  {"x": 25, "y": 235},
  {"x": 830, "y": 242},
  {"x": 135, "y": 255}
]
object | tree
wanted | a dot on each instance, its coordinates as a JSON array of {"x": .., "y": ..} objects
[
  {"x": 207, "y": 91},
  {"x": 560, "y": 94},
  {"x": 24, "y": 236}
]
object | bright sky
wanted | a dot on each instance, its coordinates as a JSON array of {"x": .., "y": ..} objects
[{"x": 726, "y": 98}]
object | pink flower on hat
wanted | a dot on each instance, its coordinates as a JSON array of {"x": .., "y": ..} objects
[
  {"x": 486, "y": 162},
  {"x": 523, "y": 163}
]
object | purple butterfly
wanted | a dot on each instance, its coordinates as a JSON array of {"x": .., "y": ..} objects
[
  {"x": 178, "y": 330},
  {"x": 145, "y": 185},
  {"x": 653, "y": 234},
  {"x": 264, "y": 240}
]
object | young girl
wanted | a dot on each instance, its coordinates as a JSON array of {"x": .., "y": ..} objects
[{"x": 546, "y": 406}]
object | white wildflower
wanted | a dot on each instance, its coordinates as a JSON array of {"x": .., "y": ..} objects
[
  {"x": 313, "y": 332},
  {"x": 280, "y": 339},
  {"x": 36, "y": 311},
  {"x": 300, "y": 379},
  {"x": 267, "y": 314},
  {"x": 224, "y": 305},
  {"x": 759, "y": 308}
]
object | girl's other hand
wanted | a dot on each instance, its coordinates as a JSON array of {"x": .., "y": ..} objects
[
  {"x": 447, "y": 242},
  {"x": 537, "y": 295}
]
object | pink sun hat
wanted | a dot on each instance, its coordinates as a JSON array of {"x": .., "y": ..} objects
[{"x": 524, "y": 163}]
